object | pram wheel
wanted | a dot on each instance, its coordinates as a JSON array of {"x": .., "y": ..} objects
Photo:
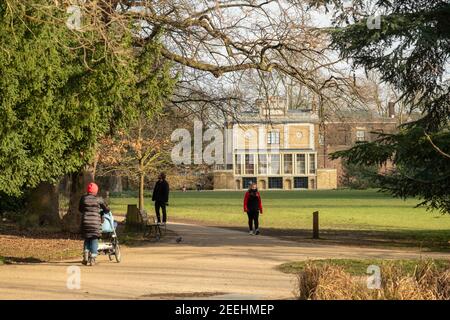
[{"x": 117, "y": 253}]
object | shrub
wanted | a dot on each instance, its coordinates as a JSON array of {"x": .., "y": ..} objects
[{"x": 328, "y": 282}]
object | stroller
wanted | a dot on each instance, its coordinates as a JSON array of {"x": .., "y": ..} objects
[{"x": 109, "y": 244}]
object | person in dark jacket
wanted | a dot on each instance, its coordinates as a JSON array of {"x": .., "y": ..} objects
[
  {"x": 253, "y": 207},
  {"x": 91, "y": 208},
  {"x": 161, "y": 197}
]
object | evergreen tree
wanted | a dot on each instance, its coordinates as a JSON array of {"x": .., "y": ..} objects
[
  {"x": 411, "y": 51},
  {"x": 59, "y": 96}
]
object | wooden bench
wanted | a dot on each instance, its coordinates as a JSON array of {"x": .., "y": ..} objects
[
  {"x": 139, "y": 220},
  {"x": 151, "y": 227}
]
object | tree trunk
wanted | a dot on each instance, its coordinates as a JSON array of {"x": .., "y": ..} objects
[
  {"x": 141, "y": 192},
  {"x": 43, "y": 206},
  {"x": 64, "y": 185},
  {"x": 72, "y": 220},
  {"x": 115, "y": 183}
]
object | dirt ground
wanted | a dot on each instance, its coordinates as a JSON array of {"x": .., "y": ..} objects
[
  {"x": 208, "y": 263},
  {"x": 20, "y": 245}
]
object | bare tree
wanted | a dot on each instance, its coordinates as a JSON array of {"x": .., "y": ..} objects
[
  {"x": 222, "y": 37},
  {"x": 216, "y": 46},
  {"x": 141, "y": 150}
]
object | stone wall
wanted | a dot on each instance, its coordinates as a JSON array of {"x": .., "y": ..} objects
[{"x": 326, "y": 179}]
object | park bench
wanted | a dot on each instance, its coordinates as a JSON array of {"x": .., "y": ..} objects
[
  {"x": 139, "y": 220},
  {"x": 151, "y": 227}
]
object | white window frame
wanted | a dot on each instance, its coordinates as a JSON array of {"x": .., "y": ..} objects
[
  {"x": 270, "y": 137},
  {"x": 296, "y": 166},
  {"x": 292, "y": 163},
  {"x": 359, "y": 137},
  {"x": 245, "y": 164},
  {"x": 235, "y": 164},
  {"x": 269, "y": 164},
  {"x": 309, "y": 173}
]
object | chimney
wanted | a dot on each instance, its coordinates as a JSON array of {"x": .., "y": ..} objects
[{"x": 391, "y": 109}]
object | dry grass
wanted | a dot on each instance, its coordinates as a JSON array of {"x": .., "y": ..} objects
[{"x": 327, "y": 282}]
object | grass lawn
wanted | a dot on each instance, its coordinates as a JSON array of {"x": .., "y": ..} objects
[
  {"x": 356, "y": 267},
  {"x": 346, "y": 216}
]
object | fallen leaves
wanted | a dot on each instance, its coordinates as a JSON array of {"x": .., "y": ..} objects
[{"x": 25, "y": 245}]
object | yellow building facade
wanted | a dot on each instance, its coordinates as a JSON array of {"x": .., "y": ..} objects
[{"x": 275, "y": 148}]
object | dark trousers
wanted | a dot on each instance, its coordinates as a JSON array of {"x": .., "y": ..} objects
[
  {"x": 161, "y": 205},
  {"x": 253, "y": 219}
]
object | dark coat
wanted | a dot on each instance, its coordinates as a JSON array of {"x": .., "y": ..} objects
[
  {"x": 161, "y": 191},
  {"x": 91, "y": 219},
  {"x": 252, "y": 202}
]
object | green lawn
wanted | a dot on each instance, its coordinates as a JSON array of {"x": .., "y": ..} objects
[{"x": 344, "y": 214}]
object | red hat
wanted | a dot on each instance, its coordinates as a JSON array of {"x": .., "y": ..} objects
[{"x": 92, "y": 188}]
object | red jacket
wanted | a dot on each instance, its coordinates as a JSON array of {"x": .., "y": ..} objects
[{"x": 247, "y": 195}]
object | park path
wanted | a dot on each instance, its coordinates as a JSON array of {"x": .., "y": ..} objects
[{"x": 209, "y": 262}]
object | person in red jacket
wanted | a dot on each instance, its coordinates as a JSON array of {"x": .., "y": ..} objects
[{"x": 253, "y": 207}]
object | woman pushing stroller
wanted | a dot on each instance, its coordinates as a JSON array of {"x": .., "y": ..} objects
[{"x": 92, "y": 209}]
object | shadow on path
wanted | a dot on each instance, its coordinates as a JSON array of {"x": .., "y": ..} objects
[{"x": 425, "y": 240}]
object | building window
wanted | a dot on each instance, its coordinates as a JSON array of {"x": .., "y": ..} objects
[
  {"x": 273, "y": 137},
  {"x": 249, "y": 164},
  {"x": 238, "y": 164},
  {"x": 287, "y": 163},
  {"x": 275, "y": 183},
  {"x": 246, "y": 182},
  {"x": 360, "y": 135},
  {"x": 301, "y": 182},
  {"x": 312, "y": 163},
  {"x": 301, "y": 164},
  {"x": 262, "y": 164},
  {"x": 274, "y": 167}
]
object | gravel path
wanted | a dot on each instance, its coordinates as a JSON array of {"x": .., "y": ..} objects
[{"x": 208, "y": 263}]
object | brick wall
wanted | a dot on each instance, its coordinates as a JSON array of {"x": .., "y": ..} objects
[{"x": 337, "y": 136}]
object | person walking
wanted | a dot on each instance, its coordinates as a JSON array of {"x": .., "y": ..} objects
[
  {"x": 161, "y": 197},
  {"x": 253, "y": 208},
  {"x": 91, "y": 208}
]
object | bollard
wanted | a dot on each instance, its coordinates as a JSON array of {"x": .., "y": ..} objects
[{"x": 316, "y": 225}]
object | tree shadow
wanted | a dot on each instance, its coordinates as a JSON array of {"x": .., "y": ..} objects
[
  {"x": 12, "y": 229},
  {"x": 18, "y": 260},
  {"x": 136, "y": 239},
  {"x": 430, "y": 240}
]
